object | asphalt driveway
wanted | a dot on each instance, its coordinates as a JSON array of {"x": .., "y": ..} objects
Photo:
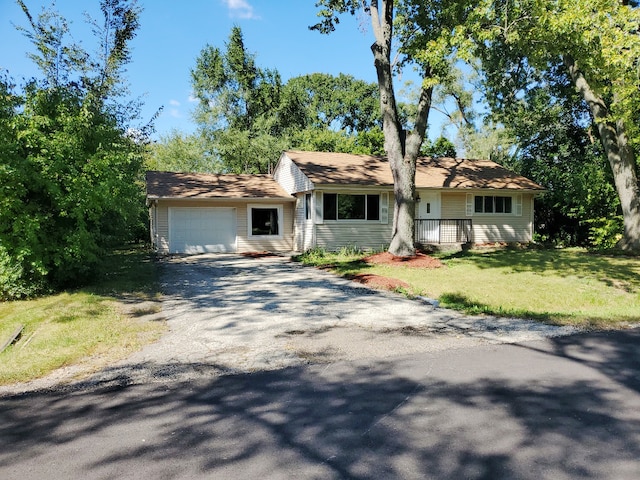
[{"x": 242, "y": 314}]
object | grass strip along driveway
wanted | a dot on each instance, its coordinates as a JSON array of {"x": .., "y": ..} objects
[
  {"x": 560, "y": 286},
  {"x": 105, "y": 319}
]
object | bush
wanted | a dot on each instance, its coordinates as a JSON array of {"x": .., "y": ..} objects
[
  {"x": 14, "y": 281},
  {"x": 605, "y": 233}
]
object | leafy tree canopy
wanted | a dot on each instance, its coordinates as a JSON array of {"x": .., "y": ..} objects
[
  {"x": 590, "y": 46},
  {"x": 69, "y": 170},
  {"x": 246, "y": 116}
]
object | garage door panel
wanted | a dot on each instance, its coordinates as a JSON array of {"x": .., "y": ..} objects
[{"x": 201, "y": 230}]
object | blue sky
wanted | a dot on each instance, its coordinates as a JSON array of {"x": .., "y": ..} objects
[{"x": 172, "y": 34}]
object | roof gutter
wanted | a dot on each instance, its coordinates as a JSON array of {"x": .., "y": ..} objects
[{"x": 155, "y": 198}]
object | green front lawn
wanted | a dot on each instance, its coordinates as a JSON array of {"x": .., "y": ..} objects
[
  {"x": 568, "y": 286},
  {"x": 69, "y": 327}
]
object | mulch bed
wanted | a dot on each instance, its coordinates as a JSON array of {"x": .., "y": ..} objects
[
  {"x": 378, "y": 281},
  {"x": 420, "y": 260}
]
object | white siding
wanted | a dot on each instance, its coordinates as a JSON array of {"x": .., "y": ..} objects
[
  {"x": 303, "y": 228},
  {"x": 299, "y": 224},
  {"x": 244, "y": 243},
  {"x": 491, "y": 228},
  {"x": 290, "y": 177},
  {"x": 453, "y": 205},
  {"x": 162, "y": 236},
  {"x": 364, "y": 235}
]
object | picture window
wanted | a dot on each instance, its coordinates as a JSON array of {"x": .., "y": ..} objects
[{"x": 343, "y": 206}]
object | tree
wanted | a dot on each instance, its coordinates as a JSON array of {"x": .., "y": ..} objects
[
  {"x": 178, "y": 152},
  {"x": 368, "y": 142},
  {"x": 440, "y": 147},
  {"x": 341, "y": 102},
  {"x": 598, "y": 45},
  {"x": 239, "y": 111},
  {"x": 74, "y": 172},
  {"x": 246, "y": 116},
  {"x": 426, "y": 31},
  {"x": 556, "y": 148}
]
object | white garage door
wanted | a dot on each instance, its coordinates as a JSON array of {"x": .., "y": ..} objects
[{"x": 200, "y": 230}]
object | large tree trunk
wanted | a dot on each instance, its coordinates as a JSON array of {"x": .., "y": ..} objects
[
  {"x": 620, "y": 155},
  {"x": 402, "y": 153}
]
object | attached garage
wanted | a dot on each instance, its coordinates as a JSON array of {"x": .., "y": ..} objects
[
  {"x": 192, "y": 213},
  {"x": 202, "y": 230}
]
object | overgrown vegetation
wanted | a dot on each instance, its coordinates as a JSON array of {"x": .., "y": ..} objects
[
  {"x": 70, "y": 164},
  {"x": 97, "y": 321},
  {"x": 563, "y": 286}
]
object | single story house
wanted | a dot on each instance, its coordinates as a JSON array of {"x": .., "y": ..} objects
[{"x": 331, "y": 200}]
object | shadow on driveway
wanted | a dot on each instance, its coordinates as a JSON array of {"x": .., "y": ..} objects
[{"x": 564, "y": 408}]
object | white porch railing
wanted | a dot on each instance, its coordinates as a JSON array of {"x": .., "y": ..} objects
[{"x": 436, "y": 231}]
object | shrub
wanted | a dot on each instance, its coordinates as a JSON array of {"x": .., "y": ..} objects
[
  {"x": 15, "y": 282},
  {"x": 605, "y": 233}
]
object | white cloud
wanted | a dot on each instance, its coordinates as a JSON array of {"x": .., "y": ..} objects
[
  {"x": 240, "y": 9},
  {"x": 175, "y": 113},
  {"x": 192, "y": 99},
  {"x": 175, "y": 103}
]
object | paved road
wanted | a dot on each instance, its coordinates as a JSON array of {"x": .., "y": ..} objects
[{"x": 562, "y": 408}]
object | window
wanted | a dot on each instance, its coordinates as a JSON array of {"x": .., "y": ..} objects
[
  {"x": 307, "y": 206},
  {"x": 329, "y": 204},
  {"x": 373, "y": 207},
  {"x": 264, "y": 221},
  {"x": 503, "y": 204},
  {"x": 492, "y": 204},
  {"x": 343, "y": 206},
  {"x": 351, "y": 207}
]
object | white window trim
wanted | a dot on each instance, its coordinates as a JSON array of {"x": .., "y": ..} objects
[
  {"x": 280, "y": 209},
  {"x": 308, "y": 208},
  {"x": 318, "y": 213},
  {"x": 515, "y": 198},
  {"x": 381, "y": 208}
]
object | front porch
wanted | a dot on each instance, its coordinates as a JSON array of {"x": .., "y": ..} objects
[{"x": 440, "y": 231}]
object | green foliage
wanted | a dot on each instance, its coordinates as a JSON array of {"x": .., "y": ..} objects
[
  {"x": 238, "y": 113},
  {"x": 369, "y": 142},
  {"x": 177, "y": 152},
  {"x": 604, "y": 233},
  {"x": 534, "y": 53},
  {"x": 440, "y": 147},
  {"x": 341, "y": 102},
  {"x": 556, "y": 148},
  {"x": 246, "y": 116},
  {"x": 313, "y": 256},
  {"x": 243, "y": 151},
  {"x": 233, "y": 92},
  {"x": 71, "y": 176}
]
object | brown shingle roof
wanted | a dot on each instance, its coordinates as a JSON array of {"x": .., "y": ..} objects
[
  {"x": 462, "y": 173},
  {"x": 206, "y": 185},
  {"x": 324, "y": 168}
]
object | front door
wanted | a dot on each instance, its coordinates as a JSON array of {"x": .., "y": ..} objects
[{"x": 428, "y": 217}]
